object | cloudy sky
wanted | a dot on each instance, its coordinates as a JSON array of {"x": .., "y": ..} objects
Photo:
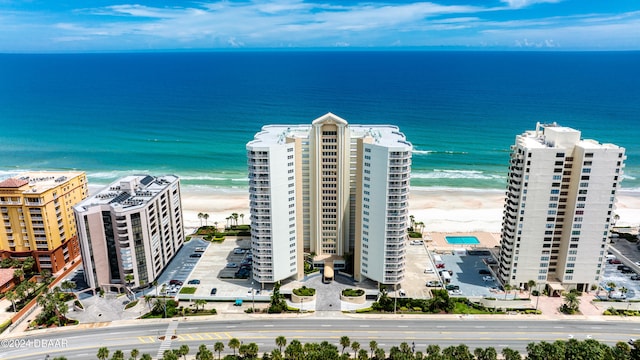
[{"x": 142, "y": 25}]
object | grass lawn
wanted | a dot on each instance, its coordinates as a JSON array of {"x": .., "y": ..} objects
[{"x": 188, "y": 290}]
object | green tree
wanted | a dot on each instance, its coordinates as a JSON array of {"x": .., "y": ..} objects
[
  {"x": 200, "y": 302},
  {"x": 345, "y": 342},
  {"x": 205, "y": 217},
  {"x": 373, "y": 345},
  {"x": 281, "y": 342},
  {"x": 219, "y": 347},
  {"x": 294, "y": 350},
  {"x": 135, "y": 353},
  {"x": 204, "y": 353},
  {"x": 146, "y": 357},
  {"x": 530, "y": 285},
  {"x": 380, "y": 355},
  {"x": 11, "y": 296},
  {"x": 117, "y": 355},
  {"x": 507, "y": 288},
  {"x": 362, "y": 354},
  {"x": 169, "y": 355},
  {"x": 200, "y": 216},
  {"x": 103, "y": 353},
  {"x": 276, "y": 355},
  {"x": 571, "y": 303},
  {"x": 612, "y": 287},
  {"x": 234, "y": 344},
  {"x": 355, "y": 346},
  {"x": 486, "y": 354},
  {"x": 510, "y": 354},
  {"x": 183, "y": 351},
  {"x": 68, "y": 285}
]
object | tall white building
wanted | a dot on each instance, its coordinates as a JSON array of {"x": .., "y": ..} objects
[
  {"x": 559, "y": 206},
  {"x": 329, "y": 189},
  {"x": 132, "y": 227}
]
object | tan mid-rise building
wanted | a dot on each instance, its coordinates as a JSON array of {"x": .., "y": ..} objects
[{"x": 38, "y": 220}]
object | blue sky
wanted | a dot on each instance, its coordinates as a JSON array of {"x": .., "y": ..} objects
[{"x": 141, "y": 25}]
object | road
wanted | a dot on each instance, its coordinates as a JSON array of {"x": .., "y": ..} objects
[{"x": 515, "y": 333}]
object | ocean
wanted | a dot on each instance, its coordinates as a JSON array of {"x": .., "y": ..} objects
[{"x": 192, "y": 113}]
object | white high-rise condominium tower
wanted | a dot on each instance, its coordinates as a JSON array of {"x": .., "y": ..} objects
[
  {"x": 333, "y": 190},
  {"x": 559, "y": 207},
  {"x": 130, "y": 230}
]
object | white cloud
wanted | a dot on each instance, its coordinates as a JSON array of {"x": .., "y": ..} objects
[{"x": 517, "y": 4}]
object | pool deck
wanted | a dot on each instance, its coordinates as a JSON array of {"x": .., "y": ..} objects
[{"x": 436, "y": 241}]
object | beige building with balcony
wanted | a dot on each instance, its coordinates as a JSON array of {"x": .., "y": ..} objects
[
  {"x": 333, "y": 190},
  {"x": 130, "y": 229},
  {"x": 37, "y": 215},
  {"x": 559, "y": 208}
]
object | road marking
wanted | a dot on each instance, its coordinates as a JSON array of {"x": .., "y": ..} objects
[
  {"x": 558, "y": 327},
  {"x": 227, "y": 335},
  {"x": 522, "y": 327},
  {"x": 192, "y": 328},
  {"x": 230, "y": 326},
  {"x": 441, "y": 326},
  {"x": 325, "y": 325},
  {"x": 480, "y": 327},
  {"x": 267, "y": 325},
  {"x": 146, "y": 339},
  {"x": 364, "y": 326},
  {"x": 403, "y": 326}
]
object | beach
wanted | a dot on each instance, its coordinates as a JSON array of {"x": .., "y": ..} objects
[{"x": 440, "y": 209}]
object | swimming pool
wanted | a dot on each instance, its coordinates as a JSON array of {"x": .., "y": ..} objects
[{"x": 462, "y": 240}]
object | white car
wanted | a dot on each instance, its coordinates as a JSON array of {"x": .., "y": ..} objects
[
  {"x": 428, "y": 271},
  {"x": 488, "y": 278}
]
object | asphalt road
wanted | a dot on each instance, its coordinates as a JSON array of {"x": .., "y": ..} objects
[{"x": 515, "y": 333}]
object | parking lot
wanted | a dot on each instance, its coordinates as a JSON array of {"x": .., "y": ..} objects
[
  {"x": 469, "y": 271},
  {"x": 622, "y": 280}
]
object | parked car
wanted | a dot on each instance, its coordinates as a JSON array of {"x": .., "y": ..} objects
[
  {"x": 402, "y": 292},
  {"x": 194, "y": 282},
  {"x": 175, "y": 282},
  {"x": 195, "y": 255},
  {"x": 484, "y": 272},
  {"x": 440, "y": 266},
  {"x": 416, "y": 242},
  {"x": 455, "y": 292},
  {"x": 635, "y": 277},
  {"x": 428, "y": 271},
  {"x": 434, "y": 283},
  {"x": 626, "y": 270},
  {"x": 452, "y": 287},
  {"x": 214, "y": 291},
  {"x": 238, "y": 251},
  {"x": 614, "y": 261},
  {"x": 199, "y": 249},
  {"x": 232, "y": 265},
  {"x": 488, "y": 278}
]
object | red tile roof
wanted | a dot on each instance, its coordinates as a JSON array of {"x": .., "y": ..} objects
[
  {"x": 13, "y": 183},
  {"x": 6, "y": 275}
]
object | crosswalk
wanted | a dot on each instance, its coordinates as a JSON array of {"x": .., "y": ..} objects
[
  {"x": 187, "y": 337},
  {"x": 168, "y": 338}
]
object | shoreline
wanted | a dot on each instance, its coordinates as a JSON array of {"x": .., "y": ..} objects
[{"x": 440, "y": 209}]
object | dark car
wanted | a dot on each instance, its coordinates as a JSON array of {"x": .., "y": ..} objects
[
  {"x": 614, "y": 261},
  {"x": 635, "y": 277},
  {"x": 484, "y": 272},
  {"x": 195, "y": 255},
  {"x": 194, "y": 282},
  {"x": 214, "y": 291},
  {"x": 452, "y": 287},
  {"x": 175, "y": 282},
  {"x": 626, "y": 270}
]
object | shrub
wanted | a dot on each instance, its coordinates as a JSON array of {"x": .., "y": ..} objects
[
  {"x": 5, "y": 325},
  {"x": 415, "y": 235},
  {"x": 131, "y": 304},
  {"x": 365, "y": 310},
  {"x": 304, "y": 291},
  {"x": 352, "y": 292},
  {"x": 78, "y": 304}
]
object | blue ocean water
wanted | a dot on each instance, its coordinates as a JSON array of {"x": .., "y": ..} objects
[{"x": 192, "y": 113}]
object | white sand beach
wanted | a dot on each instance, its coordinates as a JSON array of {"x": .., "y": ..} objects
[{"x": 441, "y": 210}]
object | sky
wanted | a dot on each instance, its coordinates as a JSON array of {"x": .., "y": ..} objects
[{"x": 172, "y": 25}]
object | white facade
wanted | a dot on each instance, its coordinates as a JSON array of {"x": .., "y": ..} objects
[
  {"x": 132, "y": 227},
  {"x": 330, "y": 189},
  {"x": 559, "y": 206}
]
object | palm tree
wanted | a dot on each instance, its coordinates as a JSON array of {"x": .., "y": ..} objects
[
  {"x": 281, "y": 341},
  {"x": 199, "y": 302},
  {"x": 219, "y": 347},
  {"x": 373, "y": 345},
  {"x": 228, "y": 218},
  {"x": 117, "y": 355},
  {"x": 135, "y": 353},
  {"x": 103, "y": 353},
  {"x": 235, "y": 218},
  {"x": 169, "y": 355},
  {"x": 380, "y": 353},
  {"x": 68, "y": 285},
  {"x": 206, "y": 217},
  {"x": 345, "y": 342},
  {"x": 184, "y": 351},
  {"x": 530, "y": 285},
  {"x": 412, "y": 221},
  {"x": 18, "y": 274},
  {"x": 155, "y": 285},
  {"x": 242, "y": 218},
  {"x": 204, "y": 353},
  {"x": 612, "y": 286},
  {"x": 234, "y": 344},
  {"x": 507, "y": 288},
  {"x": 624, "y": 290},
  {"x": 200, "y": 216},
  {"x": 215, "y": 227},
  {"x": 355, "y": 346},
  {"x": 11, "y": 296},
  {"x": 571, "y": 301},
  {"x": 146, "y": 357}
]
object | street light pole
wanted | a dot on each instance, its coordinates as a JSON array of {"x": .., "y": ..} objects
[
  {"x": 537, "y": 297},
  {"x": 253, "y": 300}
]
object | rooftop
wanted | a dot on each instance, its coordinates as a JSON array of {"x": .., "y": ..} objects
[
  {"x": 6, "y": 275},
  {"x": 129, "y": 191},
  {"x": 387, "y": 135},
  {"x": 39, "y": 181}
]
